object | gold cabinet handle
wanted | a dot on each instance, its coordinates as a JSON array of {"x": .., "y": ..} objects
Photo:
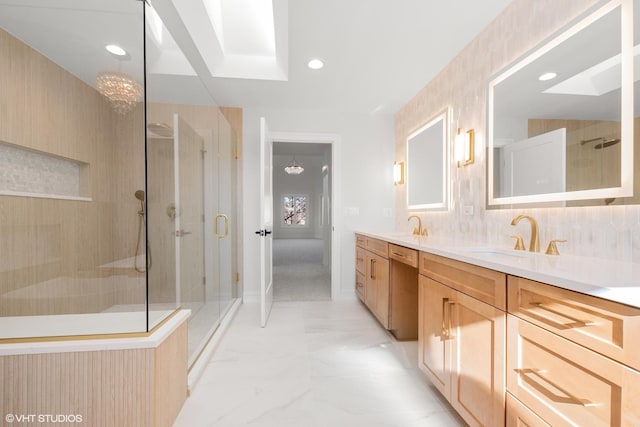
[
  {"x": 373, "y": 269},
  {"x": 226, "y": 226},
  {"x": 568, "y": 398},
  {"x": 446, "y": 317},
  {"x": 399, "y": 255},
  {"x": 574, "y": 322}
]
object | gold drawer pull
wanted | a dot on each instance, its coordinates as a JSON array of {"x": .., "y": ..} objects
[
  {"x": 373, "y": 269},
  {"x": 549, "y": 394},
  {"x": 446, "y": 318},
  {"x": 398, "y": 254},
  {"x": 575, "y": 323}
]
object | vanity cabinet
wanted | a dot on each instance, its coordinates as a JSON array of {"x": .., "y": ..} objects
[
  {"x": 377, "y": 287},
  {"x": 571, "y": 357},
  {"x": 387, "y": 283},
  {"x": 461, "y": 336},
  {"x": 372, "y": 276}
]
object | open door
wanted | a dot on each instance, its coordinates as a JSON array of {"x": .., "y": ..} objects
[{"x": 266, "y": 223}]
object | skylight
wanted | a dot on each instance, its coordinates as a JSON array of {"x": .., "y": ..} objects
[
  {"x": 246, "y": 39},
  {"x": 243, "y": 27}
]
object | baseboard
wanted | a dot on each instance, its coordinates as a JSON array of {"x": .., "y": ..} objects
[
  {"x": 346, "y": 295},
  {"x": 201, "y": 363},
  {"x": 251, "y": 297}
]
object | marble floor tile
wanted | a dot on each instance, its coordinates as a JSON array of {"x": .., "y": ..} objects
[{"x": 316, "y": 364}]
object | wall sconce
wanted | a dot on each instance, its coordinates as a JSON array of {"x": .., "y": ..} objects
[
  {"x": 465, "y": 147},
  {"x": 398, "y": 173}
]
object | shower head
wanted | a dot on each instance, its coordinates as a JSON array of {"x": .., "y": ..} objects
[
  {"x": 607, "y": 143},
  {"x": 140, "y": 196},
  {"x": 161, "y": 130}
]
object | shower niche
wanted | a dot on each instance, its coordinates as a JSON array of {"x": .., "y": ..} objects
[{"x": 31, "y": 173}]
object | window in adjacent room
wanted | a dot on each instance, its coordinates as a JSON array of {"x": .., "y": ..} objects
[{"x": 294, "y": 208}]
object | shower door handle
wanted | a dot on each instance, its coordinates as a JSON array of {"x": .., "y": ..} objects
[{"x": 226, "y": 226}]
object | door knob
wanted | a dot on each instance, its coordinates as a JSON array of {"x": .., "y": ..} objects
[{"x": 263, "y": 232}]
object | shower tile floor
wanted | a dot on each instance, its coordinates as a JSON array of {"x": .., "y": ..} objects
[{"x": 316, "y": 364}]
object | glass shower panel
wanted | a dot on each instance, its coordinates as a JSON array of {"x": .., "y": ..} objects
[
  {"x": 189, "y": 221},
  {"x": 191, "y": 190},
  {"x": 71, "y": 168},
  {"x": 226, "y": 208}
]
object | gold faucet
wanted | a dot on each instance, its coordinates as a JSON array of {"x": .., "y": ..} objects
[
  {"x": 418, "y": 231},
  {"x": 534, "y": 244}
]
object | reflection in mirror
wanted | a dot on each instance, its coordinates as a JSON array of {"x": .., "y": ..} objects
[
  {"x": 560, "y": 125},
  {"x": 427, "y": 165}
]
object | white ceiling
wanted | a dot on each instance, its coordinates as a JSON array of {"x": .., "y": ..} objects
[{"x": 378, "y": 53}]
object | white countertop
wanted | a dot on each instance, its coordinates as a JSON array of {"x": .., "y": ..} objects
[{"x": 612, "y": 280}]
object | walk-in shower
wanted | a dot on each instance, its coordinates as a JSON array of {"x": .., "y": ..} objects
[{"x": 118, "y": 191}]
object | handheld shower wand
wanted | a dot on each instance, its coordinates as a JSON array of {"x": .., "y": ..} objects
[{"x": 140, "y": 195}]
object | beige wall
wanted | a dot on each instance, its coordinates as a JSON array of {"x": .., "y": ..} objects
[
  {"x": 45, "y": 108},
  {"x": 607, "y": 231}
]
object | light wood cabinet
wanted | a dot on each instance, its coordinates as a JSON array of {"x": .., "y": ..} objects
[
  {"x": 372, "y": 276},
  {"x": 566, "y": 384},
  {"x": 519, "y": 415},
  {"x": 377, "y": 287},
  {"x": 462, "y": 341},
  {"x": 605, "y": 326},
  {"x": 387, "y": 282}
]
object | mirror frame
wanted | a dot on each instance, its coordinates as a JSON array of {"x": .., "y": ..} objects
[
  {"x": 443, "y": 203},
  {"x": 627, "y": 108}
]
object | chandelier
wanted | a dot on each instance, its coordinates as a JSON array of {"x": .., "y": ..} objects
[
  {"x": 121, "y": 91},
  {"x": 294, "y": 168}
]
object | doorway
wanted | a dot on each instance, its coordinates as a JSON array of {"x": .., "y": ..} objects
[{"x": 304, "y": 248}]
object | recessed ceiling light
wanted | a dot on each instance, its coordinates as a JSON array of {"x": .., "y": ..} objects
[
  {"x": 315, "y": 64},
  {"x": 547, "y": 76},
  {"x": 116, "y": 50}
]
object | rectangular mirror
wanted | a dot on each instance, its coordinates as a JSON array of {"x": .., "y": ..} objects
[
  {"x": 427, "y": 165},
  {"x": 560, "y": 120}
]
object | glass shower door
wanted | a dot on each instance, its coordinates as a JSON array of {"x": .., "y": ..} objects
[{"x": 189, "y": 220}]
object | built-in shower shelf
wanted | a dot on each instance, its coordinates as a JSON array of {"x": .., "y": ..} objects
[{"x": 25, "y": 172}]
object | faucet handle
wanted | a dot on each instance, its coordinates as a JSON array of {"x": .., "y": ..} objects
[
  {"x": 424, "y": 232},
  {"x": 552, "y": 249},
  {"x": 519, "y": 243}
]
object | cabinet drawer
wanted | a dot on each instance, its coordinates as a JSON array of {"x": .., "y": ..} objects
[
  {"x": 360, "y": 285},
  {"x": 404, "y": 255},
  {"x": 567, "y": 384},
  {"x": 360, "y": 260},
  {"x": 604, "y": 326},
  {"x": 519, "y": 415},
  {"x": 378, "y": 247},
  {"x": 361, "y": 241},
  {"x": 486, "y": 285}
]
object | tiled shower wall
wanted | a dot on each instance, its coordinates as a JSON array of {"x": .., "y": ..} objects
[
  {"x": 610, "y": 232},
  {"x": 26, "y": 171}
]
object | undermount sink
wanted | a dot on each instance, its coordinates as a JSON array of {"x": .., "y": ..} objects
[{"x": 494, "y": 252}]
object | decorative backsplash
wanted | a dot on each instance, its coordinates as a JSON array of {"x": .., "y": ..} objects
[
  {"x": 609, "y": 232},
  {"x": 29, "y": 172}
]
